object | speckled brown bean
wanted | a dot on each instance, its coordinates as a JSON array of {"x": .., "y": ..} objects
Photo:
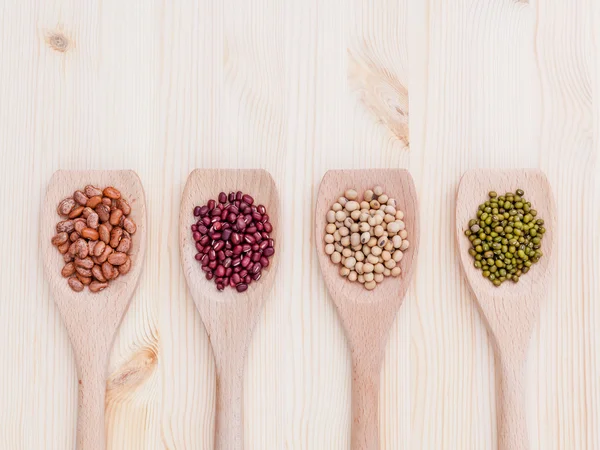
[
  {"x": 99, "y": 248},
  {"x": 65, "y": 207},
  {"x": 111, "y": 192},
  {"x": 125, "y": 267},
  {"x": 75, "y": 284},
  {"x": 83, "y": 271},
  {"x": 107, "y": 201},
  {"x": 96, "y": 286},
  {"x": 117, "y": 258},
  {"x": 103, "y": 212},
  {"x": 91, "y": 247},
  {"x": 129, "y": 225},
  {"x": 85, "y": 280},
  {"x": 92, "y": 191},
  {"x": 115, "y": 217},
  {"x": 115, "y": 237},
  {"x": 80, "y": 248},
  {"x": 107, "y": 270},
  {"x": 80, "y": 198},
  {"x": 86, "y": 263},
  {"x": 66, "y": 226},
  {"x": 104, "y": 233},
  {"x": 68, "y": 270},
  {"x": 64, "y": 248},
  {"x": 104, "y": 256},
  {"x": 60, "y": 239},
  {"x": 80, "y": 224},
  {"x": 76, "y": 212},
  {"x": 93, "y": 220},
  {"x": 86, "y": 212},
  {"x": 90, "y": 233},
  {"x": 94, "y": 201},
  {"x": 97, "y": 273},
  {"x": 125, "y": 245},
  {"x": 124, "y": 206},
  {"x": 74, "y": 236}
]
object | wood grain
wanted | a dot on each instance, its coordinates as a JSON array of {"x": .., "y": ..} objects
[
  {"x": 92, "y": 319},
  {"x": 367, "y": 315},
  {"x": 510, "y": 311},
  {"x": 165, "y": 87},
  {"x": 229, "y": 316}
]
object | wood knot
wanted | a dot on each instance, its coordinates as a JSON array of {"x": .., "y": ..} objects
[
  {"x": 58, "y": 41},
  {"x": 133, "y": 374}
]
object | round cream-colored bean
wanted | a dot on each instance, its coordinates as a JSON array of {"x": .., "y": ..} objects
[
  {"x": 368, "y": 268},
  {"x": 348, "y": 222},
  {"x": 397, "y": 240},
  {"x": 399, "y": 215},
  {"x": 368, "y": 195},
  {"x": 354, "y": 229},
  {"x": 355, "y": 239},
  {"x": 344, "y": 271},
  {"x": 345, "y": 241},
  {"x": 385, "y": 255},
  {"x": 336, "y": 257},
  {"x": 350, "y": 262},
  {"x": 369, "y": 276},
  {"x": 370, "y": 285},
  {"x": 372, "y": 221},
  {"x": 364, "y": 227},
  {"x": 393, "y": 227},
  {"x": 329, "y": 249},
  {"x": 376, "y": 251},
  {"x": 336, "y": 207},
  {"x": 352, "y": 276},
  {"x": 361, "y": 279},
  {"x": 351, "y": 194},
  {"x": 359, "y": 255},
  {"x": 337, "y": 237},
  {"x": 397, "y": 256},
  {"x": 390, "y": 264},
  {"x": 379, "y": 277},
  {"x": 372, "y": 259},
  {"x": 388, "y": 218},
  {"x": 383, "y": 198},
  {"x": 330, "y": 216},
  {"x": 387, "y": 272},
  {"x": 391, "y": 211},
  {"x": 389, "y": 246},
  {"x": 359, "y": 267},
  {"x": 340, "y": 216},
  {"x": 330, "y": 228},
  {"x": 374, "y": 204},
  {"x": 338, "y": 247},
  {"x": 365, "y": 237},
  {"x": 405, "y": 245},
  {"x": 355, "y": 215},
  {"x": 382, "y": 241},
  {"x": 346, "y": 252},
  {"x": 378, "y": 190},
  {"x": 344, "y": 231},
  {"x": 403, "y": 234},
  {"x": 363, "y": 217},
  {"x": 366, "y": 250},
  {"x": 396, "y": 271},
  {"x": 329, "y": 239},
  {"x": 352, "y": 206},
  {"x": 378, "y": 230},
  {"x": 364, "y": 205},
  {"x": 379, "y": 215},
  {"x": 379, "y": 268},
  {"x": 372, "y": 242},
  {"x": 342, "y": 201}
]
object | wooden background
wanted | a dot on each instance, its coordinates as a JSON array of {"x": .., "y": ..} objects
[{"x": 299, "y": 87}]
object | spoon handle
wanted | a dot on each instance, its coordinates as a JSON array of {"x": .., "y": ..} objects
[
  {"x": 365, "y": 402},
  {"x": 92, "y": 395},
  {"x": 229, "y": 425},
  {"x": 512, "y": 418}
]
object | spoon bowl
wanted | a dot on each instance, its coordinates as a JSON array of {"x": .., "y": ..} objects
[
  {"x": 367, "y": 316},
  {"x": 229, "y": 316},
  {"x": 92, "y": 319},
  {"x": 510, "y": 310}
]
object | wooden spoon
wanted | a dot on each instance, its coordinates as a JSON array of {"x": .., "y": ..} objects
[
  {"x": 510, "y": 310},
  {"x": 367, "y": 316},
  {"x": 229, "y": 316},
  {"x": 92, "y": 319}
]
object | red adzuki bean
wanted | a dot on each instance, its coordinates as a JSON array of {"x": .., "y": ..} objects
[{"x": 233, "y": 240}]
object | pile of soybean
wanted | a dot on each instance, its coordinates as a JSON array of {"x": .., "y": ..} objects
[{"x": 506, "y": 237}]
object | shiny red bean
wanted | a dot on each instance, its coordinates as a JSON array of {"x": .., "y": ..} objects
[
  {"x": 241, "y": 287},
  {"x": 222, "y": 197}
]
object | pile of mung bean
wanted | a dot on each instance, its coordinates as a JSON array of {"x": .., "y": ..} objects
[
  {"x": 366, "y": 237},
  {"x": 506, "y": 237}
]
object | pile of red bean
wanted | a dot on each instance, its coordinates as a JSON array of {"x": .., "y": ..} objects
[{"x": 233, "y": 240}]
